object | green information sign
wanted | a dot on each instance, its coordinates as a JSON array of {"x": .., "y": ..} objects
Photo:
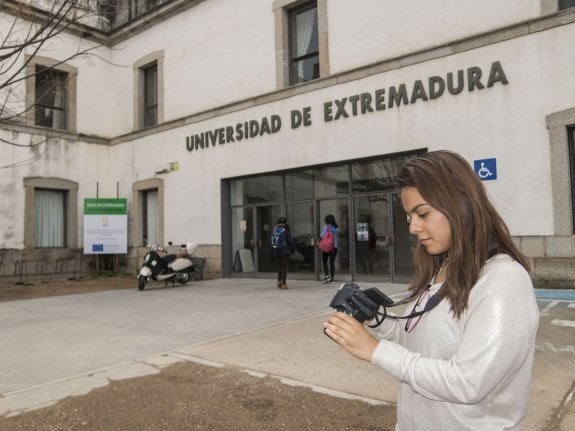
[
  {"x": 105, "y": 206},
  {"x": 105, "y": 226}
]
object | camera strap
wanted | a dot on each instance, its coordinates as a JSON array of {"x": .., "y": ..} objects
[
  {"x": 433, "y": 299},
  {"x": 429, "y": 305}
]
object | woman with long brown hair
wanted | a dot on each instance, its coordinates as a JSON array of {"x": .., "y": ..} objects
[{"x": 464, "y": 351}]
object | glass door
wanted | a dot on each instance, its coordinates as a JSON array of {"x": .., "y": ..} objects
[
  {"x": 300, "y": 216},
  {"x": 339, "y": 208},
  {"x": 373, "y": 237},
  {"x": 242, "y": 244},
  {"x": 403, "y": 242},
  {"x": 382, "y": 242},
  {"x": 251, "y": 238},
  {"x": 266, "y": 218}
]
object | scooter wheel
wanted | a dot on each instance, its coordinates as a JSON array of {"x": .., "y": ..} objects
[
  {"x": 183, "y": 277},
  {"x": 141, "y": 282}
]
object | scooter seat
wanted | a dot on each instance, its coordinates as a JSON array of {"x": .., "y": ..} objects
[{"x": 168, "y": 259}]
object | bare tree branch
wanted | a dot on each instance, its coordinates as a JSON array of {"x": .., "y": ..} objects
[
  {"x": 27, "y": 161},
  {"x": 58, "y": 19},
  {"x": 33, "y": 26}
]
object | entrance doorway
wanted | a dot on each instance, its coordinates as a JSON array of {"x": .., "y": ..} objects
[
  {"x": 374, "y": 243},
  {"x": 252, "y": 227},
  {"x": 373, "y": 235},
  {"x": 339, "y": 208},
  {"x": 383, "y": 245}
]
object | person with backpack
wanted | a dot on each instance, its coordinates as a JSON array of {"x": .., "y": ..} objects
[
  {"x": 328, "y": 247},
  {"x": 283, "y": 245}
]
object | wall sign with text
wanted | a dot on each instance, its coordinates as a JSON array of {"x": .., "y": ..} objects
[{"x": 105, "y": 226}]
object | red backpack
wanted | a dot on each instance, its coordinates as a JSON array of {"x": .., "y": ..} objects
[{"x": 326, "y": 242}]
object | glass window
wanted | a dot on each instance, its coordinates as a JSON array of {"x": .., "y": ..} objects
[
  {"x": 571, "y": 142},
  {"x": 51, "y": 207},
  {"x": 304, "y": 48},
  {"x": 375, "y": 175},
  {"x": 404, "y": 243},
  {"x": 148, "y": 212},
  {"x": 151, "y": 217},
  {"x": 300, "y": 216},
  {"x": 49, "y": 218},
  {"x": 150, "y": 95},
  {"x": 267, "y": 188},
  {"x": 266, "y": 218},
  {"x": 50, "y": 98},
  {"x": 331, "y": 181},
  {"x": 339, "y": 208},
  {"x": 148, "y": 100},
  {"x": 564, "y": 4},
  {"x": 242, "y": 240},
  {"x": 119, "y": 12},
  {"x": 299, "y": 185},
  {"x": 373, "y": 240}
]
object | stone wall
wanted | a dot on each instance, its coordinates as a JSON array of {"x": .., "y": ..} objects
[
  {"x": 28, "y": 266},
  {"x": 553, "y": 264},
  {"x": 552, "y": 260}
]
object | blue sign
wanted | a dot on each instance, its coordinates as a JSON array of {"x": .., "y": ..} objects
[
  {"x": 486, "y": 169},
  {"x": 97, "y": 248}
]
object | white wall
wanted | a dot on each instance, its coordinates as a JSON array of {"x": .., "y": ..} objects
[
  {"x": 379, "y": 30},
  {"x": 85, "y": 164},
  {"x": 214, "y": 53},
  {"x": 506, "y": 122},
  {"x": 219, "y": 52},
  {"x": 222, "y": 51}
]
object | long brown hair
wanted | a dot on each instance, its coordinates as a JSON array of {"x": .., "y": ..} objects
[{"x": 446, "y": 182}]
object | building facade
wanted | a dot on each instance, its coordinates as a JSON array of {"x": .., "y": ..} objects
[{"x": 213, "y": 118}]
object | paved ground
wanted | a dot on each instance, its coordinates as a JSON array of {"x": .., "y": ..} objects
[{"x": 55, "y": 347}]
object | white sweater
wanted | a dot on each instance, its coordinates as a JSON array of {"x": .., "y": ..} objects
[{"x": 471, "y": 373}]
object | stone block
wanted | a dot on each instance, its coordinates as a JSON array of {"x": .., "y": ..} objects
[
  {"x": 532, "y": 246},
  {"x": 555, "y": 269},
  {"x": 560, "y": 246}
]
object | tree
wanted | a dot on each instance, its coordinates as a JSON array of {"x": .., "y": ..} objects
[{"x": 27, "y": 29}]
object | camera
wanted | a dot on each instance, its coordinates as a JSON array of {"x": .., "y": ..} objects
[{"x": 362, "y": 305}]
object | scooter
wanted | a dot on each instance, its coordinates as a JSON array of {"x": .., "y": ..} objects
[{"x": 178, "y": 266}]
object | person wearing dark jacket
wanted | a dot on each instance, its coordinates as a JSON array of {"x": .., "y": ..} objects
[{"x": 283, "y": 250}]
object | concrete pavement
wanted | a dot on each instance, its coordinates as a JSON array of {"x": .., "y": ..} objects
[{"x": 52, "y": 348}]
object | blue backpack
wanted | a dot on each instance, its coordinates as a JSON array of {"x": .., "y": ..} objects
[{"x": 279, "y": 240}]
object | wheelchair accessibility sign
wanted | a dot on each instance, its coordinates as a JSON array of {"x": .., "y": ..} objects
[{"x": 486, "y": 169}]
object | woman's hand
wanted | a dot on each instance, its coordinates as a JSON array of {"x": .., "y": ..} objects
[{"x": 351, "y": 335}]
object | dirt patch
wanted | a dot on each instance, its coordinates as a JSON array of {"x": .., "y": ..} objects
[
  {"x": 12, "y": 291},
  {"x": 189, "y": 396}
]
